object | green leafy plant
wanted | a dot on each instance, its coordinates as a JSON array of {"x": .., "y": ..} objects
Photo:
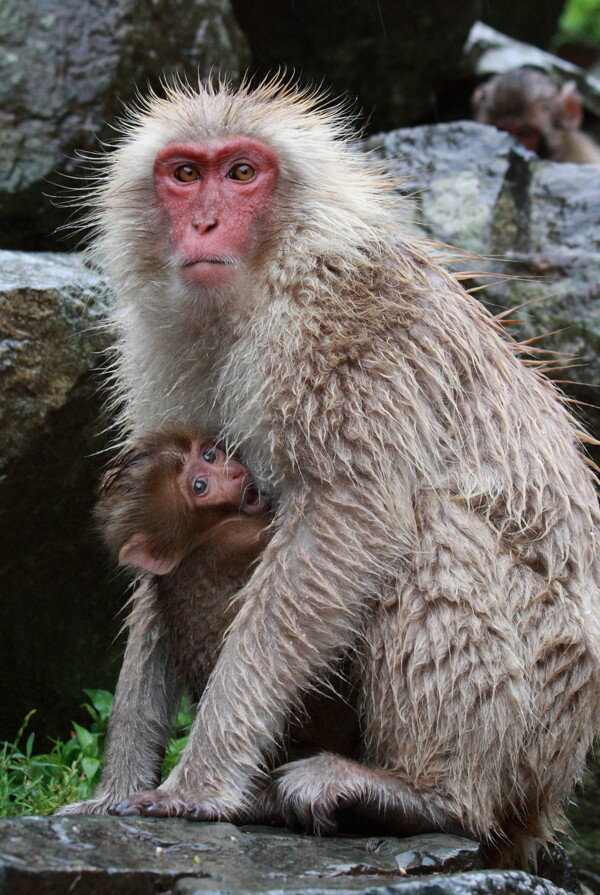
[
  {"x": 39, "y": 783},
  {"x": 581, "y": 18},
  {"x": 182, "y": 725}
]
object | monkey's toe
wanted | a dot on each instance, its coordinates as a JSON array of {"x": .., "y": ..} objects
[{"x": 199, "y": 812}]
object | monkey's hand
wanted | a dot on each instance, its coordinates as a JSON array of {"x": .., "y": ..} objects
[{"x": 163, "y": 803}]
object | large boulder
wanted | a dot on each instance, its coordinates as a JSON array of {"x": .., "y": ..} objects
[
  {"x": 110, "y": 856},
  {"x": 59, "y": 607},
  {"x": 67, "y": 67}
]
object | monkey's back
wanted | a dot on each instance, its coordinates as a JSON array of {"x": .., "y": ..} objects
[
  {"x": 196, "y": 604},
  {"x": 481, "y": 660}
]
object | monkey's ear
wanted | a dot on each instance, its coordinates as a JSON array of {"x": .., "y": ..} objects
[
  {"x": 571, "y": 105},
  {"x": 144, "y": 552},
  {"x": 477, "y": 97}
]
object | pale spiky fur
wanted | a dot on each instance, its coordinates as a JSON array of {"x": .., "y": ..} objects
[{"x": 435, "y": 512}]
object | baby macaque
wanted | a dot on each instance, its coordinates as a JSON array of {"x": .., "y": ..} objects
[
  {"x": 175, "y": 506},
  {"x": 527, "y": 103}
]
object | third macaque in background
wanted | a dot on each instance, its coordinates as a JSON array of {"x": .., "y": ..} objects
[{"x": 528, "y": 104}]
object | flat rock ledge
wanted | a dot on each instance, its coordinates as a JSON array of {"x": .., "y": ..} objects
[{"x": 146, "y": 856}]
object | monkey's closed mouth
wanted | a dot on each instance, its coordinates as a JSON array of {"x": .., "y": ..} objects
[{"x": 208, "y": 259}]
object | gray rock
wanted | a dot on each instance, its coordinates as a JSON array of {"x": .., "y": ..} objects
[
  {"x": 51, "y": 308},
  {"x": 142, "y": 855},
  {"x": 59, "y": 603},
  {"x": 66, "y": 67}
]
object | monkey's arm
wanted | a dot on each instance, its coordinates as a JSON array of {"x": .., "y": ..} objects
[
  {"x": 302, "y": 605},
  {"x": 140, "y": 720}
]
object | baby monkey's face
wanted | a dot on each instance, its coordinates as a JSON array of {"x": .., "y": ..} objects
[
  {"x": 174, "y": 492},
  {"x": 210, "y": 479}
]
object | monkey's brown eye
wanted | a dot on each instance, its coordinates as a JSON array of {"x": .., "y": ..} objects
[
  {"x": 186, "y": 173},
  {"x": 200, "y": 486},
  {"x": 242, "y": 172},
  {"x": 209, "y": 454}
]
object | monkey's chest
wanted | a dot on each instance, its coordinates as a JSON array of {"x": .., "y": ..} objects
[{"x": 196, "y": 606}]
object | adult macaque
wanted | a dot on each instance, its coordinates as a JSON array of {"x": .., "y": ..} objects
[
  {"x": 528, "y": 104},
  {"x": 434, "y": 514}
]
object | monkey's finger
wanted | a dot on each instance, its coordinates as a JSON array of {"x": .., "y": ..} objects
[
  {"x": 163, "y": 809},
  {"x": 126, "y": 808},
  {"x": 200, "y": 812}
]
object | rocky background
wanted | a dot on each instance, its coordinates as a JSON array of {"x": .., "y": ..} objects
[{"x": 66, "y": 70}]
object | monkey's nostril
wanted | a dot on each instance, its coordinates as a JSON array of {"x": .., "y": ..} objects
[{"x": 204, "y": 226}]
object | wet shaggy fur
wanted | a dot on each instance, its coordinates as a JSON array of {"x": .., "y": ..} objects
[{"x": 435, "y": 513}]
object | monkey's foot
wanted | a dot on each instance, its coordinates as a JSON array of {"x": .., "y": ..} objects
[
  {"x": 312, "y": 791},
  {"x": 322, "y": 793},
  {"x": 161, "y": 803}
]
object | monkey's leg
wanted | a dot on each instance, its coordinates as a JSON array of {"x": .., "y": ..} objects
[
  {"x": 302, "y": 605},
  {"x": 140, "y": 720},
  {"x": 321, "y": 793},
  {"x": 447, "y": 697}
]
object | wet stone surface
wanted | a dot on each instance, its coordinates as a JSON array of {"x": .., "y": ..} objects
[{"x": 145, "y": 856}]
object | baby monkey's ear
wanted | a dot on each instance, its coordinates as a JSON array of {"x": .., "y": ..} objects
[{"x": 144, "y": 551}]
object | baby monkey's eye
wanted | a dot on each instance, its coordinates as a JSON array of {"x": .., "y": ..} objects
[
  {"x": 200, "y": 486},
  {"x": 209, "y": 454}
]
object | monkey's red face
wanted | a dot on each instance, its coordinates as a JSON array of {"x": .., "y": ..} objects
[
  {"x": 211, "y": 480},
  {"x": 213, "y": 195},
  {"x": 528, "y": 134}
]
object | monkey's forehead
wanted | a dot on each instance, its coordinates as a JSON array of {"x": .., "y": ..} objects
[{"x": 272, "y": 113}]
